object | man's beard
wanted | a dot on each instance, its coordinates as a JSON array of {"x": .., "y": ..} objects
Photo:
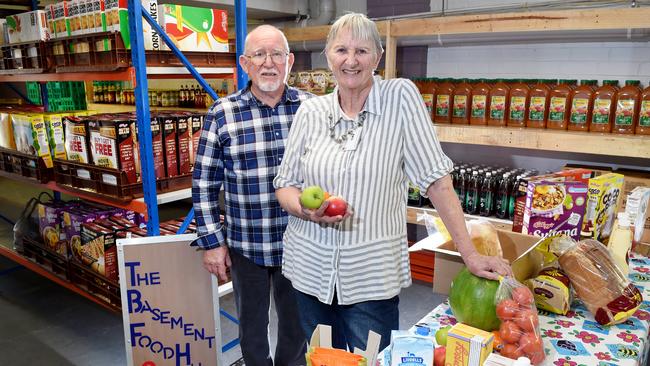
[{"x": 270, "y": 86}]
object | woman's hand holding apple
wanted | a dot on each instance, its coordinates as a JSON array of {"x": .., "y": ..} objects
[{"x": 317, "y": 206}]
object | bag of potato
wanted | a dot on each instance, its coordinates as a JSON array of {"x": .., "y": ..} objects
[
  {"x": 519, "y": 330},
  {"x": 485, "y": 238},
  {"x": 597, "y": 281}
]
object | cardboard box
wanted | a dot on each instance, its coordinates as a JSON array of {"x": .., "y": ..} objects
[
  {"x": 168, "y": 124},
  {"x": 184, "y": 146},
  {"x": 6, "y": 131},
  {"x": 74, "y": 17},
  {"x": 517, "y": 248},
  {"x": 98, "y": 249},
  {"x": 30, "y": 135},
  {"x": 195, "y": 29},
  {"x": 468, "y": 345},
  {"x": 197, "y": 126},
  {"x": 112, "y": 146},
  {"x": 61, "y": 19},
  {"x": 50, "y": 226},
  {"x": 28, "y": 27},
  {"x": 55, "y": 134},
  {"x": 603, "y": 202},
  {"x": 76, "y": 139}
]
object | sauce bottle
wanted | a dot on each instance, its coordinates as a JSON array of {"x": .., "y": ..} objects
[
  {"x": 518, "y": 107},
  {"x": 461, "y": 103},
  {"x": 582, "y": 101},
  {"x": 501, "y": 202},
  {"x": 429, "y": 94},
  {"x": 643, "y": 128},
  {"x": 473, "y": 190},
  {"x": 538, "y": 105},
  {"x": 443, "y": 98},
  {"x": 626, "y": 115},
  {"x": 558, "y": 115},
  {"x": 602, "y": 117},
  {"x": 486, "y": 196},
  {"x": 498, "y": 99},
  {"x": 480, "y": 105}
]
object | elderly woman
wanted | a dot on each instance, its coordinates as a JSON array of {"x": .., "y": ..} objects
[{"x": 364, "y": 142}]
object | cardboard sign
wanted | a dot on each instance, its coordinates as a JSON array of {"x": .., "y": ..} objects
[{"x": 170, "y": 303}]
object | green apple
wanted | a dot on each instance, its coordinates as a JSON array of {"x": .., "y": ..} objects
[
  {"x": 312, "y": 197},
  {"x": 441, "y": 335}
]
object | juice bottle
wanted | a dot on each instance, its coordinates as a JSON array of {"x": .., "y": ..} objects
[
  {"x": 626, "y": 115},
  {"x": 643, "y": 128},
  {"x": 462, "y": 96},
  {"x": 480, "y": 105},
  {"x": 538, "y": 104},
  {"x": 498, "y": 104},
  {"x": 602, "y": 117},
  {"x": 443, "y": 98},
  {"x": 518, "y": 107},
  {"x": 582, "y": 101},
  {"x": 558, "y": 116}
]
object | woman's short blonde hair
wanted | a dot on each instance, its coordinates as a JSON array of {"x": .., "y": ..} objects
[{"x": 361, "y": 28}]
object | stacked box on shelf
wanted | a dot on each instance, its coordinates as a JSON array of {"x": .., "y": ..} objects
[{"x": 34, "y": 92}]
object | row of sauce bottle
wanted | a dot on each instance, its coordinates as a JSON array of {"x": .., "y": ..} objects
[
  {"x": 539, "y": 103},
  {"x": 482, "y": 190}
]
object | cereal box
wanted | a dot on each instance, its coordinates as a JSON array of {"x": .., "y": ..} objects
[
  {"x": 30, "y": 135},
  {"x": 55, "y": 134},
  {"x": 554, "y": 207},
  {"x": 465, "y": 343},
  {"x": 195, "y": 29},
  {"x": 184, "y": 140},
  {"x": 168, "y": 124},
  {"x": 28, "y": 27},
  {"x": 197, "y": 125},
  {"x": 603, "y": 202},
  {"x": 76, "y": 139},
  {"x": 73, "y": 218},
  {"x": 50, "y": 228},
  {"x": 112, "y": 145},
  {"x": 6, "y": 131},
  {"x": 98, "y": 250}
]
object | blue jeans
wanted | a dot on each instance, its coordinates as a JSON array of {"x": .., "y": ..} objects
[{"x": 350, "y": 323}]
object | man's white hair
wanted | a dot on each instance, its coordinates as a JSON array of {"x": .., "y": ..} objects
[
  {"x": 361, "y": 28},
  {"x": 267, "y": 27}
]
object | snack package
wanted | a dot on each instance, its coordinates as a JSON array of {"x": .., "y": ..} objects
[
  {"x": 318, "y": 356},
  {"x": 519, "y": 331},
  {"x": 597, "y": 281},
  {"x": 406, "y": 349},
  {"x": 485, "y": 238},
  {"x": 552, "y": 290}
]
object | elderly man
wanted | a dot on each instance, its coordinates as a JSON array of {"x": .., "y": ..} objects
[{"x": 241, "y": 147}]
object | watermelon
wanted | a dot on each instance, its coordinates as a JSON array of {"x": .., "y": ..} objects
[{"x": 471, "y": 299}]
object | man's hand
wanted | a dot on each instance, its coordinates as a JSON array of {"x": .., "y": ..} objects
[
  {"x": 488, "y": 267},
  {"x": 216, "y": 261}
]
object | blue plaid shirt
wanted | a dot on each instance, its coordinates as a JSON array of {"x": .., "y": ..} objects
[{"x": 241, "y": 148}]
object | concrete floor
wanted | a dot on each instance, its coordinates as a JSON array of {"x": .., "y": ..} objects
[{"x": 42, "y": 323}]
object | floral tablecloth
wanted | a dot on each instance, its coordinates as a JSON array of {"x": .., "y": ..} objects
[{"x": 576, "y": 339}]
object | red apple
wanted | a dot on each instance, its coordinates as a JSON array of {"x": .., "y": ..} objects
[
  {"x": 439, "y": 356},
  {"x": 336, "y": 206}
]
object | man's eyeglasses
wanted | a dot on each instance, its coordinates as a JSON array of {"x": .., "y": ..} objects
[{"x": 259, "y": 57}]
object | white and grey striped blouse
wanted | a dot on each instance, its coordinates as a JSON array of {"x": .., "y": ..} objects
[{"x": 364, "y": 257}]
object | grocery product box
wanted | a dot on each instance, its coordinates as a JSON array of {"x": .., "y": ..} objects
[
  {"x": 73, "y": 218},
  {"x": 98, "y": 249},
  {"x": 49, "y": 18},
  {"x": 184, "y": 140},
  {"x": 61, "y": 19},
  {"x": 554, "y": 207},
  {"x": 195, "y": 29},
  {"x": 603, "y": 202},
  {"x": 50, "y": 226},
  {"x": 116, "y": 15},
  {"x": 168, "y": 124},
  {"x": 468, "y": 345},
  {"x": 98, "y": 14},
  {"x": 77, "y": 147},
  {"x": 6, "y": 131},
  {"x": 3, "y": 32},
  {"x": 28, "y": 27},
  {"x": 74, "y": 17},
  {"x": 112, "y": 146},
  {"x": 30, "y": 135},
  {"x": 517, "y": 248},
  {"x": 197, "y": 126},
  {"x": 55, "y": 134}
]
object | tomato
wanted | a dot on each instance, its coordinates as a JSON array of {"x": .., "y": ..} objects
[
  {"x": 497, "y": 344},
  {"x": 527, "y": 320},
  {"x": 530, "y": 343},
  {"x": 507, "y": 309},
  {"x": 511, "y": 351},
  {"x": 439, "y": 356},
  {"x": 522, "y": 296},
  {"x": 510, "y": 332}
]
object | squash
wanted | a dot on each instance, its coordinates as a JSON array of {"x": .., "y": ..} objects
[{"x": 471, "y": 299}]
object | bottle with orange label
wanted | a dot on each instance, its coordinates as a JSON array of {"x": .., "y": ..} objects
[
  {"x": 582, "y": 101},
  {"x": 443, "y": 98},
  {"x": 538, "y": 104},
  {"x": 643, "y": 128},
  {"x": 558, "y": 115},
  {"x": 428, "y": 94},
  {"x": 498, "y": 99},
  {"x": 462, "y": 96},
  {"x": 626, "y": 115},
  {"x": 480, "y": 106},
  {"x": 602, "y": 116},
  {"x": 518, "y": 106}
]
